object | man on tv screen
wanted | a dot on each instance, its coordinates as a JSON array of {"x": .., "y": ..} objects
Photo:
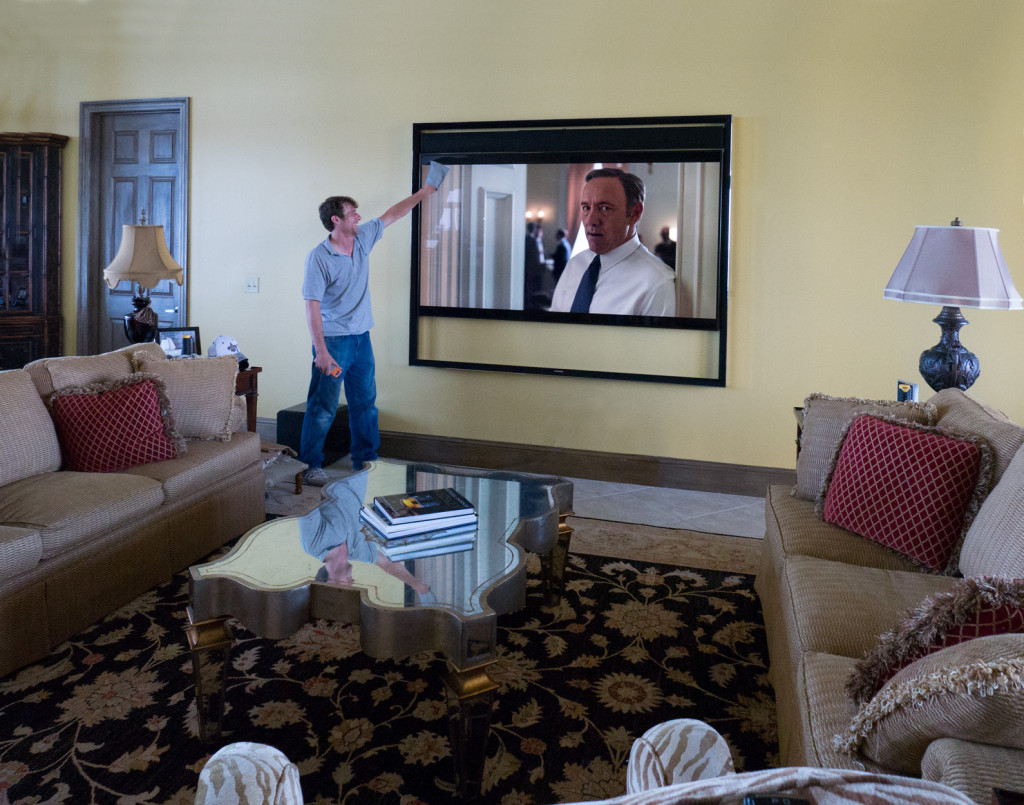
[{"x": 617, "y": 274}]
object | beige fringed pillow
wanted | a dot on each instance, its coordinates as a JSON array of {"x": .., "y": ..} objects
[
  {"x": 957, "y": 411},
  {"x": 825, "y": 420},
  {"x": 28, "y": 439},
  {"x": 201, "y": 393},
  {"x": 973, "y": 691},
  {"x": 992, "y": 546},
  {"x": 239, "y": 415},
  {"x": 973, "y": 608}
]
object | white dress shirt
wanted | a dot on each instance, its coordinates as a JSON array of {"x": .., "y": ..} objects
[{"x": 632, "y": 282}]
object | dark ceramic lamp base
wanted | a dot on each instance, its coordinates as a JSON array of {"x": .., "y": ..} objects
[
  {"x": 949, "y": 364},
  {"x": 141, "y": 325}
]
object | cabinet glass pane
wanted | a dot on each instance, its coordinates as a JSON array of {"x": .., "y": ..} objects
[
  {"x": 19, "y": 279},
  {"x": 4, "y": 159}
]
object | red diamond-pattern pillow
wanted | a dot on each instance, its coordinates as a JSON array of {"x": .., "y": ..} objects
[
  {"x": 904, "y": 487},
  {"x": 973, "y": 608},
  {"x": 109, "y": 430}
]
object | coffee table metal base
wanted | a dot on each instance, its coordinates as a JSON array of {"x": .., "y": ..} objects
[
  {"x": 210, "y": 643},
  {"x": 470, "y": 696}
]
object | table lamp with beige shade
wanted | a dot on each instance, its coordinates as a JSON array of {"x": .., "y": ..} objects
[{"x": 144, "y": 259}]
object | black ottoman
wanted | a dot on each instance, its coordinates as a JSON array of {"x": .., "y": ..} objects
[{"x": 338, "y": 442}]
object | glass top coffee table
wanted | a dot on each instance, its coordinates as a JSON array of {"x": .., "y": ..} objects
[{"x": 326, "y": 564}]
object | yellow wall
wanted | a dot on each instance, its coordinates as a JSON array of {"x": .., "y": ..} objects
[{"x": 854, "y": 120}]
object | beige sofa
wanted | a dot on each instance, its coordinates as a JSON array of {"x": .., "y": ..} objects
[
  {"x": 75, "y": 545},
  {"x": 953, "y": 715}
]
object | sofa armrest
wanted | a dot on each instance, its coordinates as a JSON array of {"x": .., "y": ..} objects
[
  {"x": 21, "y": 549},
  {"x": 973, "y": 768}
]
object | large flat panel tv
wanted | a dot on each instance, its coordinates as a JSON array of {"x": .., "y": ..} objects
[{"x": 484, "y": 267}]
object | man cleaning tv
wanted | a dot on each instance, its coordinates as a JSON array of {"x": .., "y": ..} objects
[{"x": 336, "y": 290}]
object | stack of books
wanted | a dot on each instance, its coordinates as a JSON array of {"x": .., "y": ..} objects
[{"x": 417, "y": 524}]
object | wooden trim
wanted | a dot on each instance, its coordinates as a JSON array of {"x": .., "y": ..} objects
[
  {"x": 32, "y": 138},
  {"x": 675, "y": 473}
]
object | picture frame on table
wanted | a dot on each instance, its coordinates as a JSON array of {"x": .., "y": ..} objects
[{"x": 172, "y": 340}]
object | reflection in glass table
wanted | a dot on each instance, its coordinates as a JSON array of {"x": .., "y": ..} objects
[{"x": 329, "y": 564}]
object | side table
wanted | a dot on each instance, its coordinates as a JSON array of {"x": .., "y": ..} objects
[{"x": 245, "y": 384}]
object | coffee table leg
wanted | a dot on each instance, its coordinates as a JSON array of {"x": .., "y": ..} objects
[
  {"x": 553, "y": 565},
  {"x": 470, "y": 701},
  {"x": 210, "y": 642}
]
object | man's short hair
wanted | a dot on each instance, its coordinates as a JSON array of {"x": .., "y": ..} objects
[
  {"x": 335, "y": 205},
  {"x": 632, "y": 184}
]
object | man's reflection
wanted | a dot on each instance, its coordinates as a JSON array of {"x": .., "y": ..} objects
[{"x": 333, "y": 533}]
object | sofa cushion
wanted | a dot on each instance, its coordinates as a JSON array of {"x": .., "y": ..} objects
[
  {"x": 239, "y": 415},
  {"x": 55, "y": 374},
  {"x": 69, "y": 507},
  {"x": 825, "y": 420},
  {"x": 21, "y": 549},
  {"x": 973, "y": 768},
  {"x": 793, "y": 529},
  {"x": 824, "y": 709},
  {"x": 973, "y": 691},
  {"x": 972, "y": 608},
  {"x": 108, "y": 426},
  {"x": 205, "y": 463},
  {"x": 912, "y": 488},
  {"x": 994, "y": 545},
  {"x": 820, "y": 595},
  {"x": 201, "y": 393},
  {"x": 963, "y": 414},
  {"x": 28, "y": 440}
]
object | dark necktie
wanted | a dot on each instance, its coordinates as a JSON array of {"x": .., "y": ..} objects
[{"x": 585, "y": 291}]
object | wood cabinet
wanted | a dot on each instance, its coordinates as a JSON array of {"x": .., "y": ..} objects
[
  {"x": 30, "y": 215},
  {"x": 246, "y": 384}
]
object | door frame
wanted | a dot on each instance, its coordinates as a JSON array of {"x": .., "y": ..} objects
[{"x": 90, "y": 272}]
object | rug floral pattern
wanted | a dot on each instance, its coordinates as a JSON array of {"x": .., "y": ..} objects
[{"x": 110, "y": 715}]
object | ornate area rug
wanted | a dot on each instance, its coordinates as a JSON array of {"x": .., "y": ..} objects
[{"x": 109, "y": 717}]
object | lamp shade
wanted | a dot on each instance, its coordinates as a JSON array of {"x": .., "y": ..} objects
[
  {"x": 142, "y": 257},
  {"x": 958, "y": 266}
]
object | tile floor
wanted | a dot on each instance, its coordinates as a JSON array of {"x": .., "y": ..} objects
[{"x": 710, "y": 512}]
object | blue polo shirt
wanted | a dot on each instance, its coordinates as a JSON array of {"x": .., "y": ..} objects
[{"x": 341, "y": 284}]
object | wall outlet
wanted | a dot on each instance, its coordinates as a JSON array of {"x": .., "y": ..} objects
[{"x": 252, "y": 284}]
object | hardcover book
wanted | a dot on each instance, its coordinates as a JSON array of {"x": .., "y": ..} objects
[
  {"x": 446, "y": 536},
  {"x": 426, "y": 550},
  {"x": 404, "y": 528},
  {"x": 425, "y": 505}
]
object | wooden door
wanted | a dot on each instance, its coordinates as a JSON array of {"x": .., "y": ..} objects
[{"x": 134, "y": 161}]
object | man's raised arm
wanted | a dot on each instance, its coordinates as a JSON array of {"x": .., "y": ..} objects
[{"x": 404, "y": 207}]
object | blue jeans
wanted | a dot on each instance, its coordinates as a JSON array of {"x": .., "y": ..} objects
[{"x": 354, "y": 354}]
